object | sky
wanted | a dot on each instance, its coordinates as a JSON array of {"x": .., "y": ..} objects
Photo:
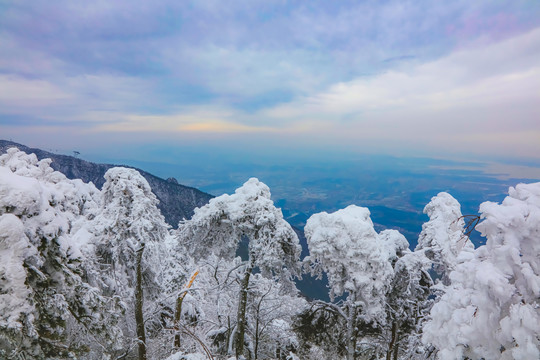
[{"x": 394, "y": 77}]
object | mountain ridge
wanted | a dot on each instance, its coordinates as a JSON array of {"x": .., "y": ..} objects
[{"x": 176, "y": 201}]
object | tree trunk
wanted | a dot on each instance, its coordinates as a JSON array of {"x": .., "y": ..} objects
[
  {"x": 177, "y": 316},
  {"x": 351, "y": 336},
  {"x": 392, "y": 342},
  {"x": 256, "y": 350},
  {"x": 396, "y": 348},
  {"x": 229, "y": 331},
  {"x": 139, "y": 317},
  {"x": 241, "y": 314}
]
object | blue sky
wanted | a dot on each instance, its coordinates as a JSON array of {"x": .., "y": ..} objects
[{"x": 418, "y": 77}]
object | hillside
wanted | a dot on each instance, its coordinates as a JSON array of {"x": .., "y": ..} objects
[{"x": 176, "y": 201}]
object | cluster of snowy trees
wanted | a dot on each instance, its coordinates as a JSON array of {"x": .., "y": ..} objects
[{"x": 93, "y": 274}]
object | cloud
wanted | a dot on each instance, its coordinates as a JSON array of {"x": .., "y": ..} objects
[
  {"x": 191, "y": 120},
  {"x": 242, "y": 51},
  {"x": 16, "y": 92},
  {"x": 402, "y": 72},
  {"x": 87, "y": 99},
  {"x": 448, "y": 102}
]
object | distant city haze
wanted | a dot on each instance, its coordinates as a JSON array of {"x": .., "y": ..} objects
[{"x": 395, "y": 189}]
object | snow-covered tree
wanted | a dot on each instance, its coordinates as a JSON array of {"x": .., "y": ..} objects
[
  {"x": 345, "y": 246},
  {"x": 47, "y": 309},
  {"x": 130, "y": 243},
  {"x": 214, "y": 301},
  {"x": 249, "y": 213},
  {"x": 491, "y": 309},
  {"x": 209, "y": 311},
  {"x": 382, "y": 286},
  {"x": 442, "y": 237},
  {"x": 407, "y": 304},
  {"x": 271, "y": 313}
]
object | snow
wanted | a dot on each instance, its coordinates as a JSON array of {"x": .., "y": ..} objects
[
  {"x": 14, "y": 248},
  {"x": 491, "y": 308},
  {"x": 442, "y": 237},
  {"x": 39, "y": 211},
  {"x": 47, "y": 203},
  {"x": 45, "y": 199},
  {"x": 184, "y": 356},
  {"x": 19, "y": 195},
  {"x": 81, "y": 243},
  {"x": 355, "y": 258},
  {"x": 127, "y": 219},
  {"x": 219, "y": 226}
]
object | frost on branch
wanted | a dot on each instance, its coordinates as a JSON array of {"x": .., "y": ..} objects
[
  {"x": 385, "y": 286},
  {"x": 359, "y": 265},
  {"x": 249, "y": 213},
  {"x": 130, "y": 237},
  {"x": 129, "y": 218},
  {"x": 48, "y": 310},
  {"x": 347, "y": 248},
  {"x": 219, "y": 226},
  {"x": 442, "y": 237},
  {"x": 491, "y": 309}
]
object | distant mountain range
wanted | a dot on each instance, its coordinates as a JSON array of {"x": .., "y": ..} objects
[{"x": 176, "y": 201}]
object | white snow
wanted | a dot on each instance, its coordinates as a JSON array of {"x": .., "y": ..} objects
[
  {"x": 491, "y": 309},
  {"x": 355, "y": 258},
  {"x": 14, "y": 248},
  {"x": 220, "y": 225},
  {"x": 442, "y": 237}
]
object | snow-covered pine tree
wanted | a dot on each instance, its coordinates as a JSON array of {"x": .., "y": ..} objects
[
  {"x": 249, "y": 213},
  {"x": 491, "y": 309},
  {"x": 130, "y": 243},
  {"x": 47, "y": 309}
]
